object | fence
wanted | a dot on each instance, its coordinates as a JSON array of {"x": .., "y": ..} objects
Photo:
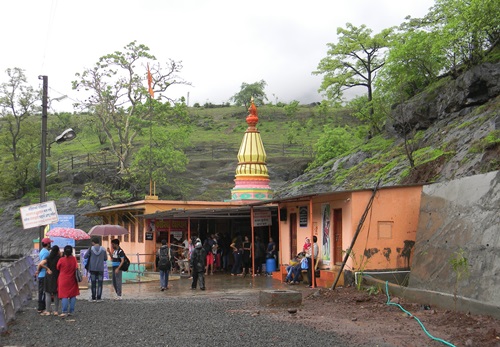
[
  {"x": 16, "y": 287},
  {"x": 208, "y": 152}
]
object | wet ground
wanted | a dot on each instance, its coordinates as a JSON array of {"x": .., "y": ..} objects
[{"x": 218, "y": 284}]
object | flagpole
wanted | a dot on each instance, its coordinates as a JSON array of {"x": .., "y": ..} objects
[{"x": 150, "y": 97}]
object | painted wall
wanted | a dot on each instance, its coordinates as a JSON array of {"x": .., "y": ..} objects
[{"x": 387, "y": 236}]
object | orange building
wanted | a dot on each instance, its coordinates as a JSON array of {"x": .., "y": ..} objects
[{"x": 386, "y": 225}]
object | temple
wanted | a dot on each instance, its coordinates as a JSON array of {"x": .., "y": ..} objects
[{"x": 252, "y": 178}]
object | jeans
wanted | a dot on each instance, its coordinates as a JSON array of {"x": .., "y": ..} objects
[
  {"x": 164, "y": 278},
  {"x": 48, "y": 302},
  {"x": 117, "y": 281},
  {"x": 237, "y": 263},
  {"x": 96, "y": 278},
  {"x": 71, "y": 302},
  {"x": 41, "y": 294},
  {"x": 198, "y": 276}
]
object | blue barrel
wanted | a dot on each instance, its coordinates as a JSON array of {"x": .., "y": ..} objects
[{"x": 270, "y": 265}]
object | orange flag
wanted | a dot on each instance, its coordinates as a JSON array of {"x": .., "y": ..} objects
[{"x": 150, "y": 83}]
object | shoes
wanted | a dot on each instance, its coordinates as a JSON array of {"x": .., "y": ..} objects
[
  {"x": 118, "y": 298},
  {"x": 193, "y": 288},
  {"x": 99, "y": 300},
  {"x": 162, "y": 289},
  {"x": 202, "y": 288}
]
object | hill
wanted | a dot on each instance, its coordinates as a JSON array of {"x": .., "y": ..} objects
[{"x": 458, "y": 134}]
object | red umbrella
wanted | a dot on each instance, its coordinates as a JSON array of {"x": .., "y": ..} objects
[
  {"x": 108, "y": 230},
  {"x": 69, "y": 233}
]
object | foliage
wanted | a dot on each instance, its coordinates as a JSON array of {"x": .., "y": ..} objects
[
  {"x": 358, "y": 264},
  {"x": 291, "y": 109},
  {"x": 353, "y": 62},
  {"x": 460, "y": 266},
  {"x": 332, "y": 143},
  {"x": 248, "y": 91},
  {"x": 373, "y": 290},
  {"x": 489, "y": 141},
  {"x": 18, "y": 105},
  {"x": 117, "y": 94}
]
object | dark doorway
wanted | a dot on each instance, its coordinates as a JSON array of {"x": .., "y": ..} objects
[
  {"x": 293, "y": 234},
  {"x": 337, "y": 235}
]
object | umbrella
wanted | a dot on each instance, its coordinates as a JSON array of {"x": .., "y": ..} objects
[
  {"x": 108, "y": 230},
  {"x": 69, "y": 233}
]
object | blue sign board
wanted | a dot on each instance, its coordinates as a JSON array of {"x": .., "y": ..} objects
[{"x": 65, "y": 221}]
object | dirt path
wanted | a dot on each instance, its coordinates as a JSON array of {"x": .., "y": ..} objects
[{"x": 367, "y": 320}]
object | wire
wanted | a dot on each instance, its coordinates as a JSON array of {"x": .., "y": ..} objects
[{"x": 409, "y": 314}]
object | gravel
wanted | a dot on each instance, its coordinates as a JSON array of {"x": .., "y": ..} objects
[{"x": 167, "y": 321}]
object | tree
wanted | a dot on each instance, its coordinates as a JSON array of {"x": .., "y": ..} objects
[
  {"x": 353, "y": 62},
  {"x": 165, "y": 153},
  {"x": 467, "y": 30},
  {"x": 117, "y": 91},
  {"x": 19, "y": 134},
  {"x": 332, "y": 143},
  {"x": 247, "y": 91}
]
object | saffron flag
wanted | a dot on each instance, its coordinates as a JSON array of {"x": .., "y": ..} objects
[{"x": 150, "y": 83}]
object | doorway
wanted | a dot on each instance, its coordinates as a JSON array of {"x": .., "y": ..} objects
[
  {"x": 293, "y": 234},
  {"x": 337, "y": 236}
]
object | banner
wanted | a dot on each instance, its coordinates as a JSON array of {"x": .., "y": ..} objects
[{"x": 39, "y": 214}]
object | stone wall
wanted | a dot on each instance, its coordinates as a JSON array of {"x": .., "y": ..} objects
[{"x": 460, "y": 214}]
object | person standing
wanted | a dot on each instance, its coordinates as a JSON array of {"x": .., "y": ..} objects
[
  {"x": 237, "y": 247},
  {"x": 164, "y": 256},
  {"x": 67, "y": 287},
  {"x": 259, "y": 255},
  {"x": 247, "y": 252},
  {"x": 310, "y": 266},
  {"x": 198, "y": 264},
  {"x": 50, "y": 282},
  {"x": 44, "y": 253},
  {"x": 117, "y": 259},
  {"x": 96, "y": 256}
]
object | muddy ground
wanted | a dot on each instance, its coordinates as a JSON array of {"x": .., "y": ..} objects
[{"x": 367, "y": 320}]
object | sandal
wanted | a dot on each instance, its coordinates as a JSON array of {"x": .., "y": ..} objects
[
  {"x": 46, "y": 313},
  {"x": 63, "y": 315},
  {"x": 56, "y": 314}
]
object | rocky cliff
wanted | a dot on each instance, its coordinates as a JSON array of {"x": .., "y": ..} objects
[{"x": 456, "y": 133}]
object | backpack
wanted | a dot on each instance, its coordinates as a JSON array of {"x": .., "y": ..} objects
[
  {"x": 126, "y": 264},
  {"x": 164, "y": 259}
]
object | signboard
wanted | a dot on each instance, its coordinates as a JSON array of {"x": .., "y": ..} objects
[
  {"x": 149, "y": 235},
  {"x": 262, "y": 218},
  {"x": 303, "y": 216},
  {"x": 65, "y": 221},
  {"x": 39, "y": 214}
]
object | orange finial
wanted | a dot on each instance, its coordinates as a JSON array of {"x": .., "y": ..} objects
[{"x": 252, "y": 118}]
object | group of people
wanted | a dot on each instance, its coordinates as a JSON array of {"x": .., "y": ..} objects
[
  {"x": 303, "y": 261},
  {"x": 199, "y": 258},
  {"x": 57, "y": 280}
]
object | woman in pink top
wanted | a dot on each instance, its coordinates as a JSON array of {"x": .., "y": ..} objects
[
  {"x": 67, "y": 285},
  {"x": 307, "y": 245}
]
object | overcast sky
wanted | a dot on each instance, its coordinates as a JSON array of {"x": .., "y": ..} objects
[{"x": 221, "y": 43}]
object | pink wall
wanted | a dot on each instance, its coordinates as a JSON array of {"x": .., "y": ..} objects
[{"x": 386, "y": 238}]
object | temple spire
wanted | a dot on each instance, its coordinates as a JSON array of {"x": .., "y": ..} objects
[{"x": 252, "y": 178}]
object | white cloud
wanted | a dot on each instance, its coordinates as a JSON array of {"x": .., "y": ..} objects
[{"x": 221, "y": 43}]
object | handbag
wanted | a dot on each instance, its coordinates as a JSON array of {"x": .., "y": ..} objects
[{"x": 78, "y": 275}]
